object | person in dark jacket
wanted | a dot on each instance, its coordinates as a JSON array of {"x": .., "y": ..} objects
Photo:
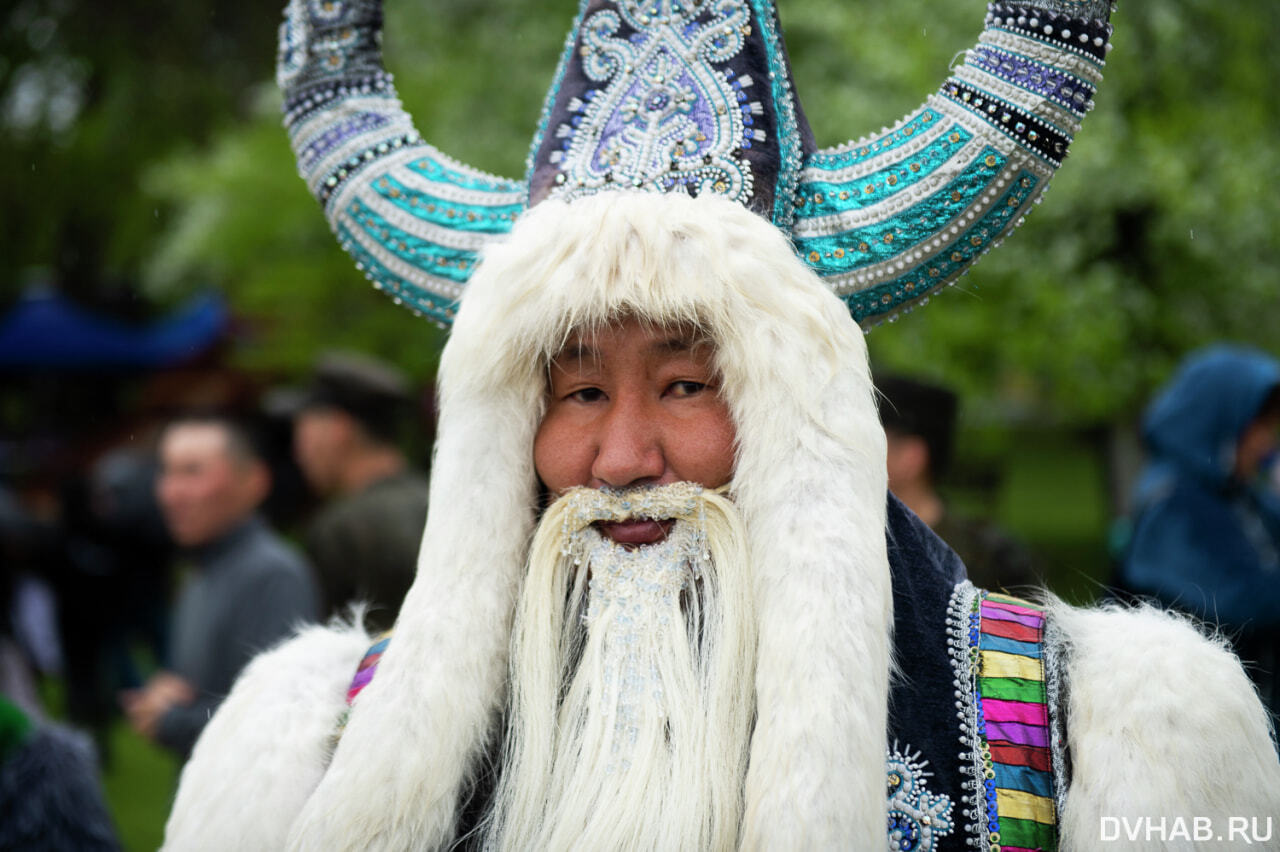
[
  {"x": 1206, "y": 533},
  {"x": 50, "y": 798},
  {"x": 364, "y": 542},
  {"x": 920, "y": 423}
]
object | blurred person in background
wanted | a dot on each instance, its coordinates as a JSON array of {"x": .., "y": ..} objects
[
  {"x": 50, "y": 798},
  {"x": 29, "y": 642},
  {"x": 1205, "y": 532},
  {"x": 129, "y": 526},
  {"x": 114, "y": 574},
  {"x": 248, "y": 590},
  {"x": 364, "y": 542},
  {"x": 920, "y": 422}
]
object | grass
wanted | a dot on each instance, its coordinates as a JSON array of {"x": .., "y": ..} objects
[
  {"x": 138, "y": 781},
  {"x": 139, "y": 786}
]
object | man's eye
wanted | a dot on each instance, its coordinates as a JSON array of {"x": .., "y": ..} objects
[
  {"x": 586, "y": 395},
  {"x": 686, "y": 388}
]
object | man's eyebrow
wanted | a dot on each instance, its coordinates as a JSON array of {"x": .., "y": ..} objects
[
  {"x": 576, "y": 351},
  {"x": 680, "y": 344}
]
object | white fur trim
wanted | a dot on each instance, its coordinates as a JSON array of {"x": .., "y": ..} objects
[
  {"x": 794, "y": 371},
  {"x": 1161, "y": 722},
  {"x": 265, "y": 749},
  {"x": 417, "y": 729}
]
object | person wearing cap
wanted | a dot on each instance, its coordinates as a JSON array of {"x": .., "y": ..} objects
[
  {"x": 364, "y": 542},
  {"x": 919, "y": 422},
  {"x": 664, "y": 599}
]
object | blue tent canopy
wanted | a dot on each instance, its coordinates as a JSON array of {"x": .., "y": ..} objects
[{"x": 45, "y": 329}]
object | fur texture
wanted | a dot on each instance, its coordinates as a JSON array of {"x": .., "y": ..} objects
[
  {"x": 810, "y": 449},
  {"x": 266, "y": 748},
  {"x": 50, "y": 797},
  {"x": 1161, "y": 722},
  {"x": 648, "y": 747}
]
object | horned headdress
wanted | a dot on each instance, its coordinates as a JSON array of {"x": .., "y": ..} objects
[{"x": 696, "y": 96}]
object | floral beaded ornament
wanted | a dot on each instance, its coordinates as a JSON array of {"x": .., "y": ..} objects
[{"x": 696, "y": 96}]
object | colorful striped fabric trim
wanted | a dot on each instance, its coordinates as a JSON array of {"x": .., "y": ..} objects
[
  {"x": 368, "y": 665},
  {"x": 1013, "y": 724}
]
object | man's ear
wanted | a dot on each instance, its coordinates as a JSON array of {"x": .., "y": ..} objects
[
  {"x": 351, "y": 433},
  {"x": 257, "y": 482}
]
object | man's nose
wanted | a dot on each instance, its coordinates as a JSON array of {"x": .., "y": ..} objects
[{"x": 630, "y": 447}]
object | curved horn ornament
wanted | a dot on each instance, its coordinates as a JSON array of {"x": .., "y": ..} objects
[
  {"x": 413, "y": 219},
  {"x": 696, "y": 96}
]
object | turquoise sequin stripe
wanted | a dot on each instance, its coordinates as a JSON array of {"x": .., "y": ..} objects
[
  {"x": 835, "y": 160},
  {"x": 415, "y": 298},
  {"x": 921, "y": 280},
  {"x": 444, "y": 212},
  {"x": 788, "y": 135},
  {"x": 365, "y": 162},
  {"x": 434, "y": 170},
  {"x": 887, "y": 238},
  {"x": 828, "y": 198},
  {"x": 871, "y": 216},
  {"x": 411, "y": 249}
]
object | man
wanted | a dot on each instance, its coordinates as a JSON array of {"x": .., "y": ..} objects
[
  {"x": 919, "y": 422},
  {"x": 364, "y": 544},
  {"x": 720, "y": 634},
  {"x": 249, "y": 589}
]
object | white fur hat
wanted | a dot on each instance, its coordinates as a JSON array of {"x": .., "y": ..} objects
[{"x": 809, "y": 480}]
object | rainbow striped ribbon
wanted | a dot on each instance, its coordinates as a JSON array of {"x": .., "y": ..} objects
[
  {"x": 368, "y": 665},
  {"x": 1013, "y": 726}
]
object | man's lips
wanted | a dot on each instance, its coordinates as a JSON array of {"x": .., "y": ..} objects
[{"x": 637, "y": 532}]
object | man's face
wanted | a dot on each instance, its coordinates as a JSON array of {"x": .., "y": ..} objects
[
  {"x": 1258, "y": 441},
  {"x": 321, "y": 438},
  {"x": 634, "y": 405},
  {"x": 907, "y": 460},
  {"x": 204, "y": 489}
]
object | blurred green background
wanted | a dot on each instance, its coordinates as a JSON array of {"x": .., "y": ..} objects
[{"x": 144, "y": 161}]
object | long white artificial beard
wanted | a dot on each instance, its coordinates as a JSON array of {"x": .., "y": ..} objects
[{"x": 632, "y": 680}]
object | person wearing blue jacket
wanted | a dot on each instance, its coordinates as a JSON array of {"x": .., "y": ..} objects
[{"x": 1206, "y": 531}]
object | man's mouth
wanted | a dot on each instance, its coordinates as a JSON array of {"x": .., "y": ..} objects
[{"x": 637, "y": 532}]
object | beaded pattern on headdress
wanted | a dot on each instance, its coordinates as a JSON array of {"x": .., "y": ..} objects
[
  {"x": 695, "y": 96},
  {"x": 673, "y": 96},
  {"x": 662, "y": 117},
  {"x": 889, "y": 219},
  {"x": 413, "y": 219}
]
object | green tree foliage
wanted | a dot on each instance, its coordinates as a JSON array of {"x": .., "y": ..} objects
[
  {"x": 1158, "y": 235},
  {"x": 90, "y": 95}
]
